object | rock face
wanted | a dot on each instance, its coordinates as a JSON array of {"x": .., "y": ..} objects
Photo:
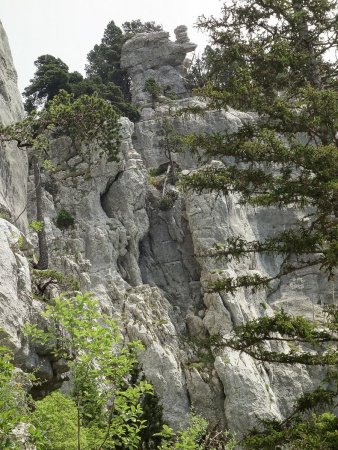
[
  {"x": 230, "y": 387},
  {"x": 17, "y": 306},
  {"x": 13, "y": 161},
  {"x": 153, "y": 55},
  {"x": 15, "y": 286},
  {"x": 144, "y": 262}
]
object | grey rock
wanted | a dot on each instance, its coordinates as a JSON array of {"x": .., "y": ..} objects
[
  {"x": 15, "y": 289},
  {"x": 153, "y": 55},
  {"x": 22, "y": 436},
  {"x": 13, "y": 161},
  {"x": 145, "y": 265}
]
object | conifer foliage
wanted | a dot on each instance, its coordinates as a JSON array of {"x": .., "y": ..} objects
[
  {"x": 276, "y": 58},
  {"x": 105, "y": 77}
]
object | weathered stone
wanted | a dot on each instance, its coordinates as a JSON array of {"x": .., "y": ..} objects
[
  {"x": 15, "y": 289},
  {"x": 22, "y": 436},
  {"x": 146, "y": 265},
  {"x": 153, "y": 55},
  {"x": 13, "y": 161}
]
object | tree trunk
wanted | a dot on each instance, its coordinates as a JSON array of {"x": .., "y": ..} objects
[
  {"x": 42, "y": 239},
  {"x": 78, "y": 405}
]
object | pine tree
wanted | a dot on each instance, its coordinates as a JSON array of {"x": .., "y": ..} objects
[
  {"x": 276, "y": 58},
  {"x": 51, "y": 75}
]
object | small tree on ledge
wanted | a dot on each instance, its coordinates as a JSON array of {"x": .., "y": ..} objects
[{"x": 88, "y": 120}]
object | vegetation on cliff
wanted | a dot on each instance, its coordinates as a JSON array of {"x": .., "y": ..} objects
[
  {"x": 276, "y": 58},
  {"x": 105, "y": 405},
  {"x": 269, "y": 57},
  {"x": 105, "y": 78}
]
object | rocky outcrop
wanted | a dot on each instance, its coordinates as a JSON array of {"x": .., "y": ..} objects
[
  {"x": 249, "y": 389},
  {"x": 15, "y": 288},
  {"x": 154, "y": 56},
  {"x": 15, "y": 284},
  {"x": 13, "y": 161},
  {"x": 17, "y": 305},
  {"x": 145, "y": 263},
  {"x": 108, "y": 203}
]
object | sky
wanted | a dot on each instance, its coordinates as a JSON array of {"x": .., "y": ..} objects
[{"x": 69, "y": 29}]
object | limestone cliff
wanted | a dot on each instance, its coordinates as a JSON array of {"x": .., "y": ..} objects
[
  {"x": 13, "y": 161},
  {"x": 17, "y": 305},
  {"x": 143, "y": 261}
]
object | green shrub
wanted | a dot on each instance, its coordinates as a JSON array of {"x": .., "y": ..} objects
[
  {"x": 41, "y": 279},
  {"x": 168, "y": 200},
  {"x": 195, "y": 437},
  {"x": 107, "y": 404},
  {"x": 13, "y": 400},
  {"x": 56, "y": 415},
  {"x": 64, "y": 219},
  {"x": 156, "y": 171},
  {"x": 36, "y": 226},
  {"x": 152, "y": 87}
]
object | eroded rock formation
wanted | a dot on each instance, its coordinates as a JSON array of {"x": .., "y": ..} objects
[
  {"x": 144, "y": 263},
  {"x": 13, "y": 161},
  {"x": 153, "y": 55}
]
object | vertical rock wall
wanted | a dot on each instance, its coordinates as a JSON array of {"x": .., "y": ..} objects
[
  {"x": 17, "y": 306},
  {"x": 13, "y": 161},
  {"x": 144, "y": 263},
  {"x": 14, "y": 271}
]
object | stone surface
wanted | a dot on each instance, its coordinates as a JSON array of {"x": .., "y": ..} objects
[
  {"x": 22, "y": 436},
  {"x": 250, "y": 389},
  {"x": 153, "y": 55},
  {"x": 15, "y": 288},
  {"x": 17, "y": 308},
  {"x": 13, "y": 161},
  {"x": 145, "y": 264}
]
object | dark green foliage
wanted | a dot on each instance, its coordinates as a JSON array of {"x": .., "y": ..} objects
[
  {"x": 104, "y": 60},
  {"x": 199, "y": 71},
  {"x": 108, "y": 91},
  {"x": 64, "y": 219},
  {"x": 275, "y": 58},
  {"x": 156, "y": 171},
  {"x": 152, "y": 414},
  {"x": 271, "y": 57},
  {"x": 105, "y": 78},
  {"x": 320, "y": 339},
  {"x": 154, "y": 89},
  {"x": 136, "y": 26},
  {"x": 42, "y": 279},
  {"x": 104, "y": 73},
  {"x": 317, "y": 432},
  {"x": 51, "y": 75},
  {"x": 168, "y": 200},
  {"x": 87, "y": 120}
]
